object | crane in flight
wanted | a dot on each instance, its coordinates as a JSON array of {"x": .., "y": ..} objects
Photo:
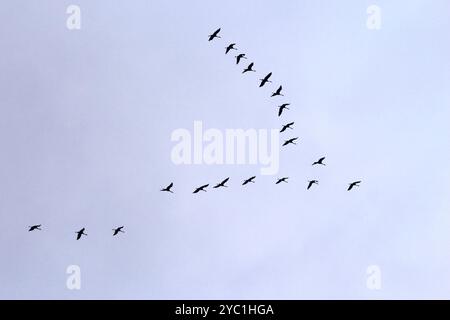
[
  {"x": 353, "y": 184},
  {"x": 287, "y": 126},
  {"x": 282, "y": 180},
  {"x": 282, "y": 107},
  {"x": 278, "y": 92},
  {"x": 249, "y": 68},
  {"x": 81, "y": 233},
  {"x": 265, "y": 79},
  {"x": 117, "y": 230},
  {"x": 290, "y": 141},
  {"x": 239, "y": 57},
  {"x": 230, "y": 47},
  {"x": 249, "y": 180},
  {"x": 201, "y": 188},
  {"x": 168, "y": 188},
  {"x": 311, "y": 182},
  {"x": 215, "y": 34},
  {"x": 320, "y": 162},
  {"x": 35, "y": 227},
  {"x": 222, "y": 184}
]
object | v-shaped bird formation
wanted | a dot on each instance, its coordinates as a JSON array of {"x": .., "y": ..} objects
[{"x": 265, "y": 80}]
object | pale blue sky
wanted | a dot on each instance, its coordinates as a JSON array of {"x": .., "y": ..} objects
[{"x": 85, "y": 124}]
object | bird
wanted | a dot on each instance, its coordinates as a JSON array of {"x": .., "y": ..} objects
[
  {"x": 249, "y": 68},
  {"x": 278, "y": 92},
  {"x": 239, "y": 57},
  {"x": 282, "y": 107},
  {"x": 80, "y": 233},
  {"x": 35, "y": 227},
  {"x": 311, "y": 182},
  {"x": 214, "y": 35},
  {"x": 320, "y": 161},
  {"x": 202, "y": 188},
  {"x": 249, "y": 180},
  {"x": 167, "y": 189},
  {"x": 117, "y": 230},
  {"x": 290, "y": 141},
  {"x": 265, "y": 79},
  {"x": 282, "y": 180},
  {"x": 353, "y": 184},
  {"x": 230, "y": 47},
  {"x": 222, "y": 184},
  {"x": 287, "y": 126}
]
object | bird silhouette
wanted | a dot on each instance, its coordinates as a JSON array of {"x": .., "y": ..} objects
[
  {"x": 282, "y": 180},
  {"x": 167, "y": 189},
  {"x": 287, "y": 126},
  {"x": 35, "y": 227},
  {"x": 265, "y": 79},
  {"x": 117, "y": 230},
  {"x": 214, "y": 35},
  {"x": 249, "y": 180},
  {"x": 282, "y": 107},
  {"x": 81, "y": 233},
  {"x": 230, "y": 47},
  {"x": 320, "y": 161},
  {"x": 202, "y": 188},
  {"x": 278, "y": 92},
  {"x": 353, "y": 184},
  {"x": 290, "y": 141},
  {"x": 222, "y": 184},
  {"x": 311, "y": 182},
  {"x": 249, "y": 68},
  {"x": 239, "y": 57}
]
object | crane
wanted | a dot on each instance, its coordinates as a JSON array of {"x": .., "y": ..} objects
[
  {"x": 290, "y": 141},
  {"x": 215, "y": 34},
  {"x": 278, "y": 92},
  {"x": 222, "y": 184},
  {"x": 249, "y": 180},
  {"x": 201, "y": 188},
  {"x": 167, "y": 189},
  {"x": 265, "y": 79}
]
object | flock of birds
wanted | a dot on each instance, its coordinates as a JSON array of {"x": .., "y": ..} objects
[
  {"x": 223, "y": 183},
  {"x": 281, "y": 108}
]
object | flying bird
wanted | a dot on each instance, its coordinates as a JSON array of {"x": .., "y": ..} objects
[
  {"x": 239, "y": 57},
  {"x": 320, "y": 161},
  {"x": 117, "y": 230},
  {"x": 222, "y": 184},
  {"x": 249, "y": 68},
  {"x": 282, "y": 180},
  {"x": 278, "y": 92},
  {"x": 230, "y": 47},
  {"x": 282, "y": 107},
  {"x": 311, "y": 182},
  {"x": 35, "y": 227},
  {"x": 287, "y": 126},
  {"x": 249, "y": 180},
  {"x": 214, "y": 35},
  {"x": 167, "y": 189},
  {"x": 265, "y": 79},
  {"x": 80, "y": 233},
  {"x": 353, "y": 184},
  {"x": 290, "y": 141},
  {"x": 202, "y": 188}
]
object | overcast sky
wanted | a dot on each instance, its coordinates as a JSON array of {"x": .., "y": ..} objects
[{"x": 86, "y": 118}]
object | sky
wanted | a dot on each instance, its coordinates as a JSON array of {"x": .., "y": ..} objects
[{"x": 86, "y": 118}]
